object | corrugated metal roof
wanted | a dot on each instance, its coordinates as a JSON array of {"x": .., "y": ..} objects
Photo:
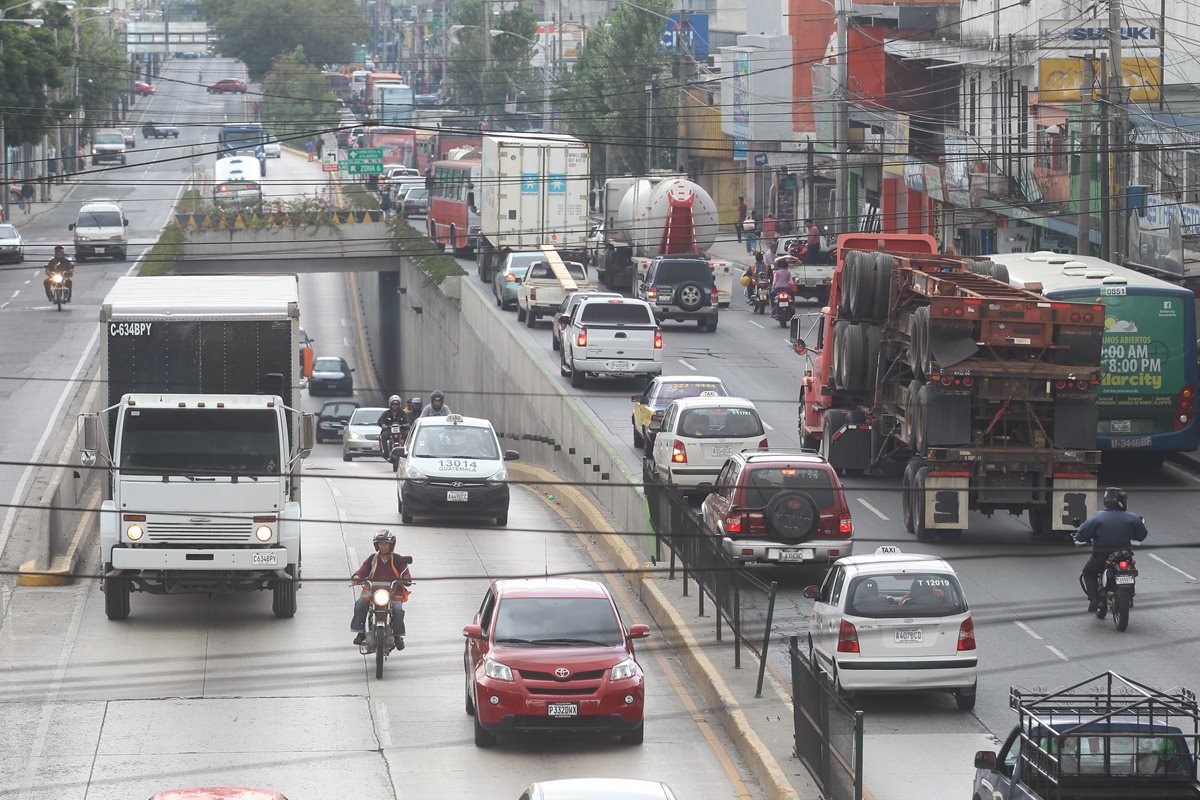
[{"x": 198, "y": 296}]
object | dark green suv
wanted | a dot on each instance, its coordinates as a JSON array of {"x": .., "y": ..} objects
[{"x": 681, "y": 290}]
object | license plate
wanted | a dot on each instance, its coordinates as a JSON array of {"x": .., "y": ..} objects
[
  {"x": 908, "y": 635},
  {"x": 762, "y": 295},
  {"x": 395, "y": 429},
  {"x": 664, "y": 300},
  {"x": 265, "y": 559},
  {"x": 562, "y": 710},
  {"x": 456, "y": 497},
  {"x": 795, "y": 555},
  {"x": 1122, "y": 426},
  {"x": 722, "y": 450},
  {"x": 618, "y": 366},
  {"x": 1122, "y": 579},
  {"x": 784, "y": 303}
]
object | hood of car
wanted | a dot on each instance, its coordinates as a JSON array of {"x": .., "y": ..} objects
[
  {"x": 575, "y": 659},
  {"x": 365, "y": 430}
]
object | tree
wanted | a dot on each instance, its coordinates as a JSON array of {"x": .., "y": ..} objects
[
  {"x": 297, "y": 103},
  {"x": 256, "y": 32},
  {"x": 32, "y": 64},
  {"x": 604, "y": 99},
  {"x": 487, "y": 86},
  {"x": 103, "y": 73}
]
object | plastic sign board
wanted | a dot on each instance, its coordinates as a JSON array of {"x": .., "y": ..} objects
[
  {"x": 1061, "y": 79},
  {"x": 697, "y": 35},
  {"x": 329, "y": 162},
  {"x": 1093, "y": 34}
]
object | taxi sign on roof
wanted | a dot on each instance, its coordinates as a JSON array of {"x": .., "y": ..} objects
[
  {"x": 709, "y": 394},
  {"x": 887, "y": 550},
  {"x": 455, "y": 419}
]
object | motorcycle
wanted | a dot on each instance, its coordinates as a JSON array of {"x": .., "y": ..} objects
[
  {"x": 379, "y": 639},
  {"x": 393, "y": 439},
  {"x": 59, "y": 291},
  {"x": 762, "y": 293},
  {"x": 1117, "y": 586},
  {"x": 783, "y": 308}
]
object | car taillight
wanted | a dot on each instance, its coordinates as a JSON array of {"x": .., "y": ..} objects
[
  {"x": 652, "y": 294},
  {"x": 533, "y": 293},
  {"x": 966, "y": 635},
  {"x": 678, "y": 453},
  {"x": 657, "y": 339},
  {"x": 848, "y": 638},
  {"x": 715, "y": 296},
  {"x": 581, "y": 339},
  {"x": 845, "y": 526},
  {"x": 733, "y": 523},
  {"x": 762, "y": 445},
  {"x": 510, "y": 277}
]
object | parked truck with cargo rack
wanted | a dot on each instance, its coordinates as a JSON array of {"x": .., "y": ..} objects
[
  {"x": 986, "y": 393},
  {"x": 201, "y": 438}
]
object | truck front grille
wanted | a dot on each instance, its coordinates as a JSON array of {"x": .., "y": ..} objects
[{"x": 216, "y": 531}]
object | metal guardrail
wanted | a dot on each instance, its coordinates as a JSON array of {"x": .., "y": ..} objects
[
  {"x": 744, "y": 603},
  {"x": 828, "y": 730}
]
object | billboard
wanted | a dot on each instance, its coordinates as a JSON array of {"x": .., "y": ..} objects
[
  {"x": 1093, "y": 34},
  {"x": 1061, "y": 79}
]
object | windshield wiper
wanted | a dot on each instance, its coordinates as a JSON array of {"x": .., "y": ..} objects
[
  {"x": 568, "y": 640},
  {"x": 512, "y": 640},
  {"x": 421, "y": 455}
]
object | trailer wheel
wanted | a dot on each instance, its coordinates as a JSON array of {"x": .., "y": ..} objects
[
  {"x": 834, "y": 419},
  {"x": 1040, "y": 524},
  {"x": 920, "y": 524},
  {"x": 906, "y": 492},
  {"x": 911, "y": 393},
  {"x": 875, "y": 366},
  {"x": 998, "y": 271},
  {"x": 919, "y": 417},
  {"x": 849, "y": 279},
  {"x": 856, "y": 358},
  {"x": 862, "y": 295},
  {"x": 882, "y": 288},
  {"x": 919, "y": 349},
  {"x": 835, "y": 362}
]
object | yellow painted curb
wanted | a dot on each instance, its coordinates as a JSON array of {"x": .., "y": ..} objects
[
  {"x": 708, "y": 679},
  {"x": 62, "y": 568}
]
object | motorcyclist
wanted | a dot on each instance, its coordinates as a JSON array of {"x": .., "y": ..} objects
[
  {"x": 1112, "y": 529},
  {"x": 59, "y": 264},
  {"x": 754, "y": 271},
  {"x": 437, "y": 406},
  {"x": 393, "y": 416},
  {"x": 781, "y": 279},
  {"x": 382, "y": 566}
]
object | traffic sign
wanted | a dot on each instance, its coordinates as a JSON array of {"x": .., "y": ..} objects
[
  {"x": 329, "y": 162},
  {"x": 364, "y": 168},
  {"x": 365, "y": 154}
]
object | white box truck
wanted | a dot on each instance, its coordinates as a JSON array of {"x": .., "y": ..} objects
[
  {"x": 200, "y": 437},
  {"x": 534, "y": 193}
]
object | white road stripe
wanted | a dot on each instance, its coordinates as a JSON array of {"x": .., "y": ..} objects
[
  {"x": 336, "y": 492},
  {"x": 383, "y": 723},
  {"x": 27, "y": 283},
  {"x": 755, "y": 324},
  {"x": 686, "y": 364},
  {"x": 1170, "y": 566},
  {"x": 14, "y": 294},
  {"x": 5, "y": 304},
  {"x": 1027, "y": 629},
  {"x": 873, "y": 509},
  {"x": 1057, "y": 652}
]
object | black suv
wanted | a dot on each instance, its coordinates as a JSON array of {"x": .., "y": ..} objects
[{"x": 681, "y": 289}]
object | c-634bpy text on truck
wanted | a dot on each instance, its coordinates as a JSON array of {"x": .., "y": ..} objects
[{"x": 200, "y": 439}]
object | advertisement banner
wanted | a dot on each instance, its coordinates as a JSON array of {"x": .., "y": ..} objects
[
  {"x": 1061, "y": 79},
  {"x": 741, "y": 95},
  {"x": 895, "y": 145},
  {"x": 1093, "y": 34},
  {"x": 1143, "y": 351}
]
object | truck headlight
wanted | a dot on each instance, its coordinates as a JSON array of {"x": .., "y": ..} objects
[
  {"x": 497, "y": 671},
  {"x": 499, "y": 478},
  {"x": 381, "y": 597},
  {"x": 263, "y": 533},
  {"x": 414, "y": 475},
  {"x": 626, "y": 669},
  {"x": 134, "y": 532}
]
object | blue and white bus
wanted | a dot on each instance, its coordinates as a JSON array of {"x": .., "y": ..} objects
[
  {"x": 241, "y": 135},
  {"x": 1147, "y": 400}
]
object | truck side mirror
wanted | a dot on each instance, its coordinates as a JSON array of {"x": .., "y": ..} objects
[
  {"x": 308, "y": 434},
  {"x": 71, "y": 227},
  {"x": 90, "y": 437},
  {"x": 985, "y": 759},
  {"x": 794, "y": 332}
]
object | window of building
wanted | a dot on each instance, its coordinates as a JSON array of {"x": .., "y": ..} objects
[
  {"x": 1193, "y": 176},
  {"x": 1148, "y": 170}
]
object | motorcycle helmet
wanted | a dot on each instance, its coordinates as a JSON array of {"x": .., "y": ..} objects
[
  {"x": 384, "y": 535},
  {"x": 436, "y": 396},
  {"x": 394, "y": 399},
  {"x": 415, "y": 402},
  {"x": 1115, "y": 499}
]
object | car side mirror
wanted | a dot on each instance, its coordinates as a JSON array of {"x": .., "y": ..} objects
[
  {"x": 71, "y": 227},
  {"x": 812, "y": 592},
  {"x": 985, "y": 759},
  {"x": 473, "y": 632},
  {"x": 639, "y": 631},
  {"x": 635, "y": 398},
  {"x": 512, "y": 455}
]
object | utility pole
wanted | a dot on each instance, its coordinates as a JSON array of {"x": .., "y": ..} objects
[
  {"x": 487, "y": 54},
  {"x": 1106, "y": 221},
  {"x": 841, "y": 145},
  {"x": 682, "y": 75},
  {"x": 1083, "y": 239},
  {"x": 1119, "y": 139},
  {"x": 650, "y": 125}
]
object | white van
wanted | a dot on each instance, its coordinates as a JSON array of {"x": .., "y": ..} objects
[
  {"x": 237, "y": 181},
  {"x": 100, "y": 230}
]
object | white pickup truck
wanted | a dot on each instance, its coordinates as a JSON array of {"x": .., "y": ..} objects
[
  {"x": 541, "y": 291},
  {"x": 613, "y": 337}
]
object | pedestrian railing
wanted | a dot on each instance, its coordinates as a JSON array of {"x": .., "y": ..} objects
[{"x": 828, "y": 730}]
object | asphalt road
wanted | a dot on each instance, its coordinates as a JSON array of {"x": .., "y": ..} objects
[{"x": 1029, "y": 611}]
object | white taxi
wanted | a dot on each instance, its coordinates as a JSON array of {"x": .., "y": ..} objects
[
  {"x": 894, "y": 622},
  {"x": 699, "y": 434},
  {"x": 453, "y": 466}
]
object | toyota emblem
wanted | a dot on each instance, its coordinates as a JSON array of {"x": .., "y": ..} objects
[{"x": 562, "y": 673}]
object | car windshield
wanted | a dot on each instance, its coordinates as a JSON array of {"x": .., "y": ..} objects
[
  {"x": 680, "y": 271},
  {"x": 720, "y": 422},
  {"x": 906, "y": 594},
  {"x": 554, "y": 618},
  {"x": 763, "y": 483},
  {"x": 417, "y": 194},
  {"x": 616, "y": 314},
  {"x": 8, "y": 232},
  {"x": 367, "y": 416},
  {"x": 98, "y": 219},
  {"x": 455, "y": 441},
  {"x": 544, "y": 270},
  {"x": 328, "y": 365},
  {"x": 676, "y": 390},
  {"x": 196, "y": 441}
]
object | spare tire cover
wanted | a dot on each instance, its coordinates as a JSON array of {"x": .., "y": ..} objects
[{"x": 792, "y": 516}]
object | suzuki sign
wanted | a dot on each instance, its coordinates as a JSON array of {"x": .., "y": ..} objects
[{"x": 1093, "y": 34}]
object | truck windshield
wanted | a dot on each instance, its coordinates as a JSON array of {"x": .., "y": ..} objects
[
  {"x": 191, "y": 441},
  {"x": 99, "y": 219}
]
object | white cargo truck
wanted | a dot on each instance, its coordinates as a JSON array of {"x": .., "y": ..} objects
[
  {"x": 534, "y": 192},
  {"x": 200, "y": 437}
]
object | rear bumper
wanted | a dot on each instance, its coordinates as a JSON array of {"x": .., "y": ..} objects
[
  {"x": 673, "y": 315},
  {"x": 691, "y": 477},
  {"x": 430, "y": 500},
  {"x": 769, "y": 552},
  {"x": 597, "y": 367},
  {"x": 886, "y": 675}
]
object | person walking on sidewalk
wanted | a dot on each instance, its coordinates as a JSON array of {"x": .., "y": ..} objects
[
  {"x": 741, "y": 215},
  {"x": 310, "y": 148},
  {"x": 750, "y": 231},
  {"x": 27, "y": 196},
  {"x": 52, "y": 164}
]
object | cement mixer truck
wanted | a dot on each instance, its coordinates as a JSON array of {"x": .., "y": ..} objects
[{"x": 657, "y": 215}]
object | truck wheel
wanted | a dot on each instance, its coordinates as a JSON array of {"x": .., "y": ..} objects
[
  {"x": 920, "y": 523},
  {"x": 919, "y": 343},
  {"x": 116, "y": 597},
  {"x": 283, "y": 598},
  {"x": 690, "y": 297},
  {"x": 855, "y": 358},
  {"x": 882, "y": 289},
  {"x": 849, "y": 279},
  {"x": 836, "y": 367},
  {"x": 531, "y": 318},
  {"x": 906, "y": 492},
  {"x": 997, "y": 271},
  {"x": 834, "y": 420},
  {"x": 520, "y": 312},
  {"x": 862, "y": 291}
]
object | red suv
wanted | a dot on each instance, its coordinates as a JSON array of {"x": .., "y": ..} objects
[
  {"x": 780, "y": 508},
  {"x": 224, "y": 85},
  {"x": 552, "y": 656}
]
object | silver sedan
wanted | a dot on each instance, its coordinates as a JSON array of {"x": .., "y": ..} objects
[{"x": 361, "y": 437}]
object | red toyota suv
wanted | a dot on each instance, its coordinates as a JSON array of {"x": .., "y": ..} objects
[
  {"x": 552, "y": 656},
  {"x": 228, "y": 85},
  {"x": 779, "y": 507}
]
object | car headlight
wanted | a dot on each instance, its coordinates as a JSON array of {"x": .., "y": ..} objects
[
  {"x": 356, "y": 437},
  {"x": 263, "y": 533},
  {"x": 626, "y": 669},
  {"x": 325, "y": 425},
  {"x": 497, "y": 671},
  {"x": 415, "y": 475},
  {"x": 381, "y": 597},
  {"x": 499, "y": 478},
  {"x": 134, "y": 532}
]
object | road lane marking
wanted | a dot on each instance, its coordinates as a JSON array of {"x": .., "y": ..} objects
[
  {"x": 5, "y": 304},
  {"x": 27, "y": 283},
  {"x": 1170, "y": 566},
  {"x": 1027, "y": 629},
  {"x": 384, "y": 725},
  {"x": 755, "y": 324},
  {"x": 336, "y": 492},
  {"x": 873, "y": 510},
  {"x": 14, "y": 294},
  {"x": 686, "y": 364},
  {"x": 1057, "y": 652}
]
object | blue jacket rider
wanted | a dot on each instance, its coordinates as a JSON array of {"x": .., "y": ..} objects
[{"x": 1114, "y": 528}]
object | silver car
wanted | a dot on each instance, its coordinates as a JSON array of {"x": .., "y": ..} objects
[
  {"x": 361, "y": 437},
  {"x": 598, "y": 789},
  {"x": 12, "y": 248}
]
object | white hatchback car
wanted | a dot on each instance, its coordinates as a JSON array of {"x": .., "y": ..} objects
[
  {"x": 894, "y": 622},
  {"x": 698, "y": 435}
]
